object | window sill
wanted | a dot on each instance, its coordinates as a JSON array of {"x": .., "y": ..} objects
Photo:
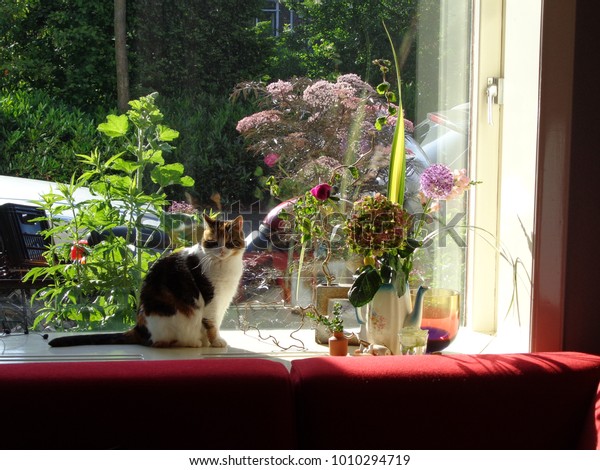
[{"x": 278, "y": 345}]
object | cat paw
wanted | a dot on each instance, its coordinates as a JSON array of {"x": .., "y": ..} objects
[{"x": 219, "y": 343}]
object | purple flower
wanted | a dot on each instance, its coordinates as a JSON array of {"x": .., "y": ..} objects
[
  {"x": 321, "y": 191},
  {"x": 437, "y": 182},
  {"x": 271, "y": 159}
]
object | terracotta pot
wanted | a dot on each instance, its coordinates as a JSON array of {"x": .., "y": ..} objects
[{"x": 338, "y": 344}]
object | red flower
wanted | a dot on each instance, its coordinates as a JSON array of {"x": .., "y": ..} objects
[
  {"x": 321, "y": 191},
  {"x": 79, "y": 251}
]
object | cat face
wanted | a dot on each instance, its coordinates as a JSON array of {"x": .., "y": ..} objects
[{"x": 223, "y": 239}]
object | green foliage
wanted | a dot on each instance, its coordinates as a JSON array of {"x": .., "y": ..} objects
[
  {"x": 64, "y": 47},
  {"x": 335, "y": 324},
  {"x": 190, "y": 46},
  {"x": 40, "y": 136},
  {"x": 99, "y": 285},
  {"x": 345, "y": 36},
  {"x": 211, "y": 149}
]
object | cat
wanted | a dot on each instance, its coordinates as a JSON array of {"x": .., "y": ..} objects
[{"x": 185, "y": 295}]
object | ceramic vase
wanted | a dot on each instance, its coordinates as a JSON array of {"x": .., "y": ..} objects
[
  {"x": 338, "y": 344},
  {"x": 385, "y": 316}
]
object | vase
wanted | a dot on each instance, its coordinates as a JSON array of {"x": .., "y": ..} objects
[
  {"x": 338, "y": 344},
  {"x": 441, "y": 316},
  {"x": 385, "y": 316}
]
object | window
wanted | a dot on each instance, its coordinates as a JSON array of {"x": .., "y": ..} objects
[
  {"x": 457, "y": 46},
  {"x": 279, "y": 16}
]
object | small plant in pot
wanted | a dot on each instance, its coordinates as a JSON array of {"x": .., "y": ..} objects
[{"x": 338, "y": 342}]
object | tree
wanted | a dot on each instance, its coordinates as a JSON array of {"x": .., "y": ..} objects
[
  {"x": 121, "y": 55},
  {"x": 345, "y": 36}
]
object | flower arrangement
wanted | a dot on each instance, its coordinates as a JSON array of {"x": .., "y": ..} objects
[
  {"x": 387, "y": 235},
  {"x": 379, "y": 227},
  {"x": 318, "y": 217}
]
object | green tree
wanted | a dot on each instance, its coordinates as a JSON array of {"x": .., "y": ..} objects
[
  {"x": 186, "y": 46},
  {"x": 345, "y": 36},
  {"x": 65, "y": 47}
]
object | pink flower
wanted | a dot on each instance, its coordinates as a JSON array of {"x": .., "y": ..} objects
[
  {"x": 181, "y": 207},
  {"x": 280, "y": 90},
  {"x": 355, "y": 82},
  {"x": 321, "y": 191},
  {"x": 320, "y": 94},
  {"x": 271, "y": 159},
  {"x": 257, "y": 119},
  {"x": 461, "y": 183}
]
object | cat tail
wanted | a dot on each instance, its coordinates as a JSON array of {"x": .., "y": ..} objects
[{"x": 127, "y": 337}]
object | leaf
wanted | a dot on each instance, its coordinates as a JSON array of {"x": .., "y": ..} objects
[
  {"x": 383, "y": 87},
  {"x": 115, "y": 126},
  {"x": 365, "y": 286},
  {"x": 400, "y": 282},
  {"x": 397, "y": 171},
  {"x": 187, "y": 181},
  {"x": 125, "y": 166},
  {"x": 380, "y": 122},
  {"x": 354, "y": 172},
  {"x": 168, "y": 174},
  {"x": 166, "y": 134},
  {"x": 154, "y": 156}
]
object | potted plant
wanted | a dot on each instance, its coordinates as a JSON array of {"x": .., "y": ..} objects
[{"x": 338, "y": 342}]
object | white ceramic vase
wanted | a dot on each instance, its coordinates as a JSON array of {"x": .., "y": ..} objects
[{"x": 385, "y": 316}]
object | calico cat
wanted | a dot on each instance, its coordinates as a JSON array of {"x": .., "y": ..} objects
[{"x": 184, "y": 295}]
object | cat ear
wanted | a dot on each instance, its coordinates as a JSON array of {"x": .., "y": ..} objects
[
  {"x": 238, "y": 223},
  {"x": 192, "y": 199},
  {"x": 208, "y": 221}
]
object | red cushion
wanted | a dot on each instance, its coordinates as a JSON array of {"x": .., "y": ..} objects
[
  {"x": 521, "y": 401},
  {"x": 188, "y": 404}
]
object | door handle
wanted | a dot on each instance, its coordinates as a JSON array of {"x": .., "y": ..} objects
[{"x": 493, "y": 92}]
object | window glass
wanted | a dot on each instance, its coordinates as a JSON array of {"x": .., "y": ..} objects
[{"x": 213, "y": 69}]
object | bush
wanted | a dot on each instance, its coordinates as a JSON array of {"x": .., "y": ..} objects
[
  {"x": 40, "y": 136},
  {"x": 65, "y": 47},
  {"x": 210, "y": 148}
]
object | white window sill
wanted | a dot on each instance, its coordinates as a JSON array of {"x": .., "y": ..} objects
[{"x": 33, "y": 348}]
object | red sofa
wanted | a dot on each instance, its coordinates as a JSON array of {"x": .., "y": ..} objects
[{"x": 518, "y": 401}]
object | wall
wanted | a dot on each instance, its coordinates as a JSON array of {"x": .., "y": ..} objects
[
  {"x": 582, "y": 280},
  {"x": 565, "y": 314}
]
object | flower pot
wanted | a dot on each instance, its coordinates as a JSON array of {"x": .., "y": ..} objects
[{"x": 338, "y": 344}]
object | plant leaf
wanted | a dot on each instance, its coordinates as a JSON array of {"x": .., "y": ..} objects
[
  {"x": 115, "y": 126},
  {"x": 166, "y": 134},
  {"x": 365, "y": 286}
]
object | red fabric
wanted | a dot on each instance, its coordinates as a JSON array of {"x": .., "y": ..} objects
[
  {"x": 521, "y": 401},
  {"x": 189, "y": 404}
]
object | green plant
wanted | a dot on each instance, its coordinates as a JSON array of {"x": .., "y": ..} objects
[
  {"x": 211, "y": 149},
  {"x": 41, "y": 135},
  {"x": 98, "y": 285},
  {"x": 334, "y": 324}
]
